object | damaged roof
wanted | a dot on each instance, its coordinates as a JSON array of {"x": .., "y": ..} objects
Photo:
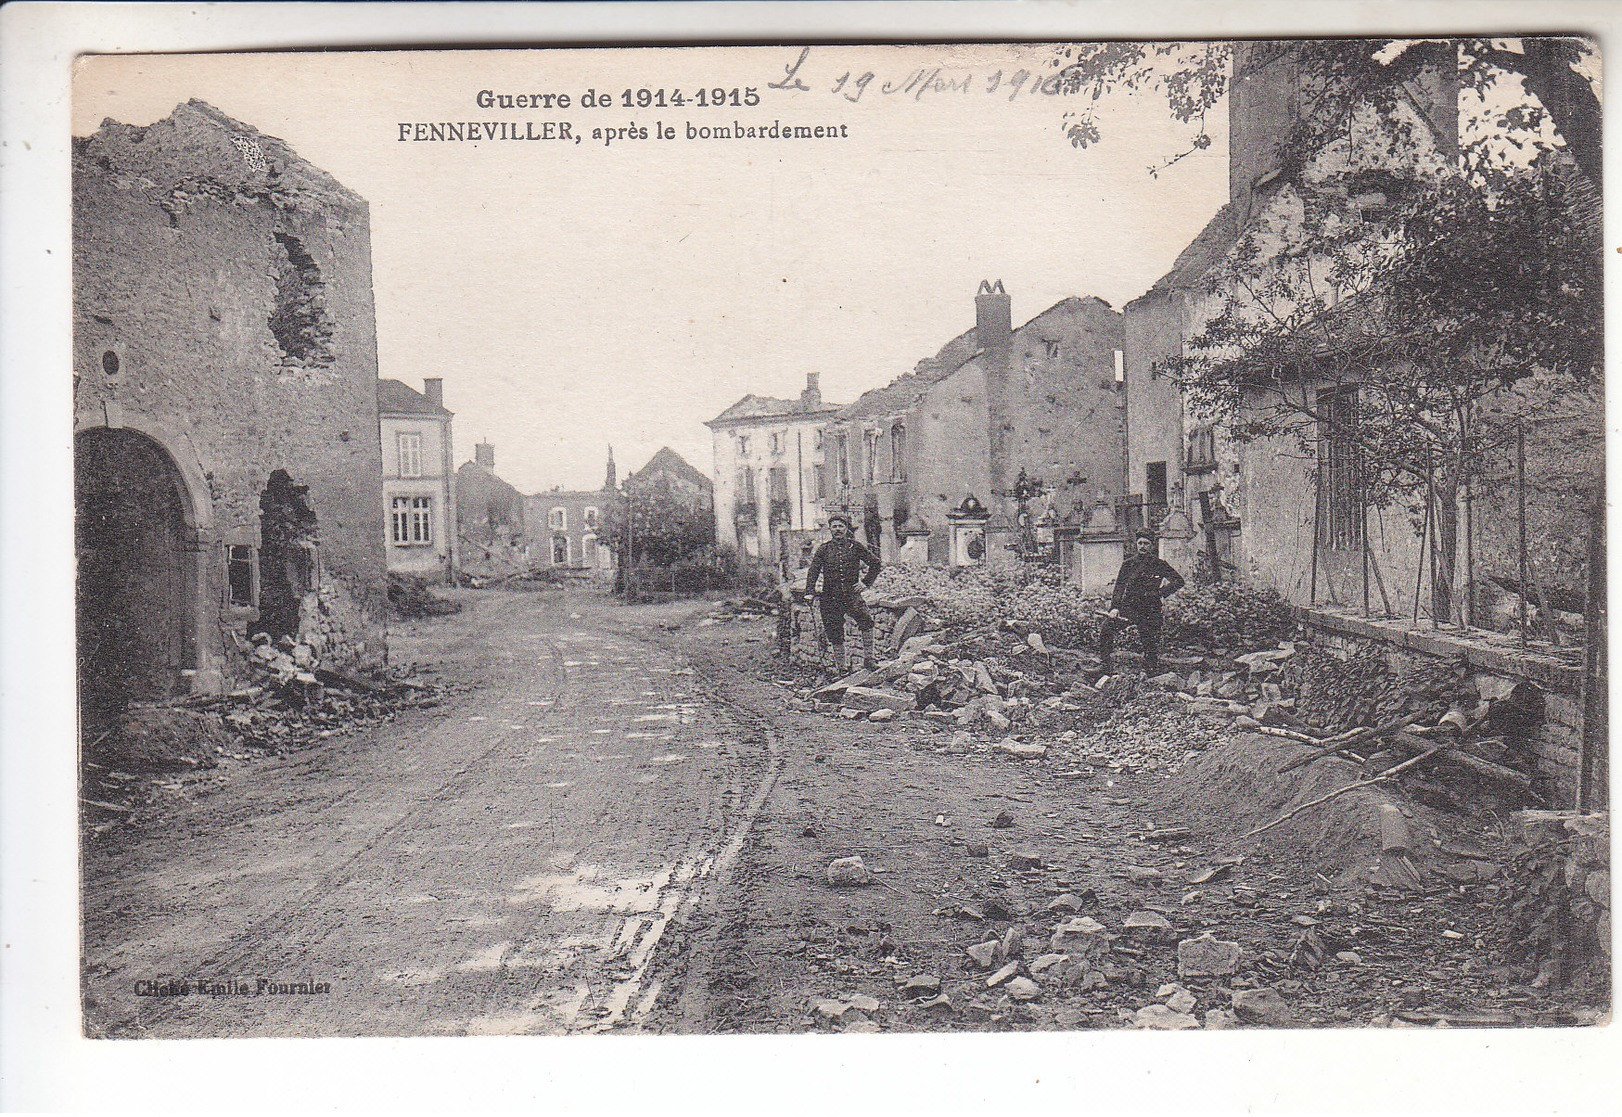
[
  {"x": 197, "y": 143},
  {"x": 1194, "y": 262},
  {"x": 395, "y": 398},
  {"x": 908, "y": 388},
  {"x": 668, "y": 461},
  {"x": 770, "y": 407}
]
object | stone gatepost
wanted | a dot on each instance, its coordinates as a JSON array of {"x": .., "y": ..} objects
[
  {"x": 1098, "y": 549},
  {"x": 966, "y": 531},
  {"x": 914, "y": 549}
]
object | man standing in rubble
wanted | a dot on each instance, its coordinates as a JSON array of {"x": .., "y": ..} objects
[
  {"x": 838, "y": 563},
  {"x": 1144, "y": 582}
]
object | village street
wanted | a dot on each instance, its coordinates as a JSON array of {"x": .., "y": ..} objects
[
  {"x": 504, "y": 863},
  {"x": 614, "y": 821}
]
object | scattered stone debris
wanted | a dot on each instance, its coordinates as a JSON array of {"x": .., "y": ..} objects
[
  {"x": 849, "y": 872},
  {"x": 1262, "y": 1006},
  {"x": 1207, "y": 957},
  {"x": 1024, "y": 989},
  {"x": 1164, "y": 1018},
  {"x": 921, "y": 985},
  {"x": 293, "y": 703}
]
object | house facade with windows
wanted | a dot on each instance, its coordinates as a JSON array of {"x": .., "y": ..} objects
[
  {"x": 1026, "y": 421},
  {"x": 419, "y": 485},
  {"x": 1286, "y": 511},
  {"x": 567, "y": 530},
  {"x": 768, "y": 456}
]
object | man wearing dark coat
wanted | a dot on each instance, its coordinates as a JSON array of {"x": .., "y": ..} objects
[
  {"x": 839, "y": 564},
  {"x": 1144, "y": 581}
]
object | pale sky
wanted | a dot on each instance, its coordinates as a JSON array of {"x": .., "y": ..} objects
[{"x": 577, "y": 295}]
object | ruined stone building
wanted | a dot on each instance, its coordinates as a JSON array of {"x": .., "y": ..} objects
[
  {"x": 228, "y": 477},
  {"x": 992, "y": 444},
  {"x": 669, "y": 469},
  {"x": 768, "y": 471},
  {"x": 567, "y": 529},
  {"x": 1267, "y": 500},
  {"x": 419, "y": 485},
  {"x": 490, "y": 521},
  {"x": 1291, "y": 511},
  {"x": 1214, "y": 480}
]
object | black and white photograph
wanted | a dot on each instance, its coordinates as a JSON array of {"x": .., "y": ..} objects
[{"x": 810, "y": 538}]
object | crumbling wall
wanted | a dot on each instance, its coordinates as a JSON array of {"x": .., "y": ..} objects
[
  {"x": 1066, "y": 418},
  {"x": 222, "y": 291},
  {"x": 1547, "y": 735}
]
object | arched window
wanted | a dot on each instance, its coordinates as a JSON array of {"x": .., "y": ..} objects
[
  {"x": 590, "y": 516},
  {"x": 558, "y": 519},
  {"x": 588, "y": 550},
  {"x": 560, "y": 550},
  {"x": 898, "y": 451}
]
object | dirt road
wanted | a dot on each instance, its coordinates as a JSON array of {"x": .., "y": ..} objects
[
  {"x": 506, "y": 863},
  {"x": 621, "y": 824},
  {"x": 1078, "y": 877}
]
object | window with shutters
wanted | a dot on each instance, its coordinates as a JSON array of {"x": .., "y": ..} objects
[{"x": 409, "y": 447}]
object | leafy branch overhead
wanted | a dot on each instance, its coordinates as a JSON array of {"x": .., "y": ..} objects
[
  {"x": 1527, "y": 91},
  {"x": 1422, "y": 229}
]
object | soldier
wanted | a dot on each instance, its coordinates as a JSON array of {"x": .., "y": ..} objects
[
  {"x": 1144, "y": 581},
  {"x": 838, "y": 562}
]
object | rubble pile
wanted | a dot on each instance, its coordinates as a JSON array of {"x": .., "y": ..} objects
[
  {"x": 1002, "y": 684},
  {"x": 410, "y": 597},
  {"x": 1363, "y": 688},
  {"x": 292, "y": 703},
  {"x": 295, "y": 701}
]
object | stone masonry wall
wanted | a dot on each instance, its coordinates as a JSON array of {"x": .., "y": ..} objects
[
  {"x": 231, "y": 282},
  {"x": 1556, "y": 738}
]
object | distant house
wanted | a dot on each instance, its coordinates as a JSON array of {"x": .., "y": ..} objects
[
  {"x": 419, "y": 486},
  {"x": 1002, "y": 425},
  {"x": 668, "y": 467},
  {"x": 768, "y": 469},
  {"x": 489, "y": 517},
  {"x": 566, "y": 528}
]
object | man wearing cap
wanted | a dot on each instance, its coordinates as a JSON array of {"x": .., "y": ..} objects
[
  {"x": 1144, "y": 581},
  {"x": 838, "y": 563}
]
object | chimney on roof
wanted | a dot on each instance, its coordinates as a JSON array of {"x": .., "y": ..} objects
[
  {"x": 434, "y": 388},
  {"x": 993, "y": 317},
  {"x": 993, "y": 335},
  {"x": 812, "y": 396},
  {"x": 484, "y": 454}
]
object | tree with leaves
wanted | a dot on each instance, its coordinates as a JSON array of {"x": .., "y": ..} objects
[
  {"x": 1531, "y": 90},
  {"x": 1432, "y": 285},
  {"x": 652, "y": 521}
]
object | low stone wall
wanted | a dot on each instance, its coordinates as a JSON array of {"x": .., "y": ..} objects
[{"x": 1556, "y": 737}]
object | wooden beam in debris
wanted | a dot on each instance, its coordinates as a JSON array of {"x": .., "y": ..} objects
[
  {"x": 1484, "y": 768},
  {"x": 1342, "y": 742}
]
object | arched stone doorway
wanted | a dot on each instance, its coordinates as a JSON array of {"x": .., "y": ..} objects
[{"x": 137, "y": 570}]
